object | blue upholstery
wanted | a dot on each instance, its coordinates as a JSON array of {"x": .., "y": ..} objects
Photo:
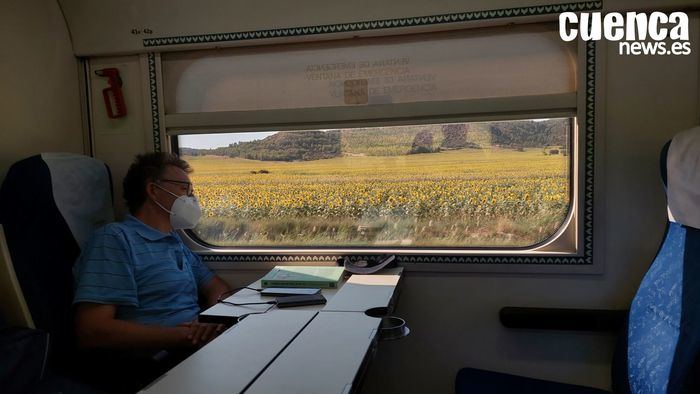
[
  {"x": 664, "y": 333},
  {"x": 685, "y": 370},
  {"x": 659, "y": 351},
  {"x": 655, "y": 316},
  {"x": 42, "y": 246}
]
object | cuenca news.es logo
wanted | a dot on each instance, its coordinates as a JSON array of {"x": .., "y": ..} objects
[{"x": 631, "y": 31}]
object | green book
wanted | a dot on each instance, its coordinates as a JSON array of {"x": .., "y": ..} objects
[{"x": 298, "y": 276}]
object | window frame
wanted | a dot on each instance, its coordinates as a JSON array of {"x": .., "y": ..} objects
[{"x": 541, "y": 259}]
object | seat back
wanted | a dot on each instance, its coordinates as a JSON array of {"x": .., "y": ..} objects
[
  {"x": 49, "y": 205},
  {"x": 663, "y": 338}
]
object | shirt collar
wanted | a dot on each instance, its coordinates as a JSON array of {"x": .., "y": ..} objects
[{"x": 145, "y": 230}]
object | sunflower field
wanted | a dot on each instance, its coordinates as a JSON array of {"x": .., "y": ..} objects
[{"x": 459, "y": 198}]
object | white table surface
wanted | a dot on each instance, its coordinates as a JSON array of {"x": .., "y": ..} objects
[
  {"x": 363, "y": 292},
  {"x": 308, "y": 349},
  {"x": 232, "y": 360},
  {"x": 356, "y": 294},
  {"x": 324, "y": 358}
]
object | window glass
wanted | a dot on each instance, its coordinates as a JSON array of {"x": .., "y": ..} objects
[{"x": 462, "y": 185}]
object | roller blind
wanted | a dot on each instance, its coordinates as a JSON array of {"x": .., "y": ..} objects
[{"x": 455, "y": 65}]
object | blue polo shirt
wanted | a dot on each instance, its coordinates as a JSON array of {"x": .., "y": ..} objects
[{"x": 151, "y": 276}]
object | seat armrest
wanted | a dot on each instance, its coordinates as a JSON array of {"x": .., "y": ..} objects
[{"x": 597, "y": 320}]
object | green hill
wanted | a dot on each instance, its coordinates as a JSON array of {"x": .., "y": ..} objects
[
  {"x": 529, "y": 134},
  {"x": 394, "y": 140},
  {"x": 282, "y": 146}
]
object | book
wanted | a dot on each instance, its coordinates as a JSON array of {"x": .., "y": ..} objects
[{"x": 302, "y": 276}]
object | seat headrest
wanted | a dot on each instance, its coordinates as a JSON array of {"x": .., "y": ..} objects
[
  {"x": 82, "y": 192},
  {"x": 683, "y": 174}
]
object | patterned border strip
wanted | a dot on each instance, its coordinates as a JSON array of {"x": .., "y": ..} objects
[
  {"x": 374, "y": 25},
  {"x": 586, "y": 259},
  {"x": 229, "y": 258},
  {"x": 590, "y": 151},
  {"x": 153, "y": 90},
  {"x": 400, "y": 259}
]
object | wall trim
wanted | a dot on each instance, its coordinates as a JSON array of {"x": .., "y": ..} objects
[
  {"x": 379, "y": 24},
  {"x": 153, "y": 92}
]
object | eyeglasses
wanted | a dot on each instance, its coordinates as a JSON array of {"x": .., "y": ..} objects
[{"x": 190, "y": 188}]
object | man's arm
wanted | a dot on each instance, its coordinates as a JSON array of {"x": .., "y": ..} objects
[
  {"x": 96, "y": 327},
  {"x": 213, "y": 289}
]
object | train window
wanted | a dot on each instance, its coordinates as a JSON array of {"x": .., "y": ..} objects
[
  {"x": 459, "y": 142},
  {"x": 480, "y": 184}
]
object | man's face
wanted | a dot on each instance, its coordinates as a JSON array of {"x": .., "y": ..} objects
[{"x": 174, "y": 180}]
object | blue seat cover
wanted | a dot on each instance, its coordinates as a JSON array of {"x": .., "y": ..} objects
[{"x": 655, "y": 317}]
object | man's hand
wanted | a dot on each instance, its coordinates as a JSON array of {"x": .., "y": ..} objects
[{"x": 202, "y": 333}]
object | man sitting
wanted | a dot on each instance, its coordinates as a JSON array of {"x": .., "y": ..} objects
[{"x": 137, "y": 284}]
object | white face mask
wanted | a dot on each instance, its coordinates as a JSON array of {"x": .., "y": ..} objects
[{"x": 185, "y": 212}]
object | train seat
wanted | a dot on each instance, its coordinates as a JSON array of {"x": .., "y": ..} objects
[
  {"x": 49, "y": 206},
  {"x": 660, "y": 343}
]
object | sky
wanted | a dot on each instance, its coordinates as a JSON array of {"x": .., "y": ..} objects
[{"x": 209, "y": 141}]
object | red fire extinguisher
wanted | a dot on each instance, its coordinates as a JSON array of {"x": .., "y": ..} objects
[{"x": 113, "y": 96}]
